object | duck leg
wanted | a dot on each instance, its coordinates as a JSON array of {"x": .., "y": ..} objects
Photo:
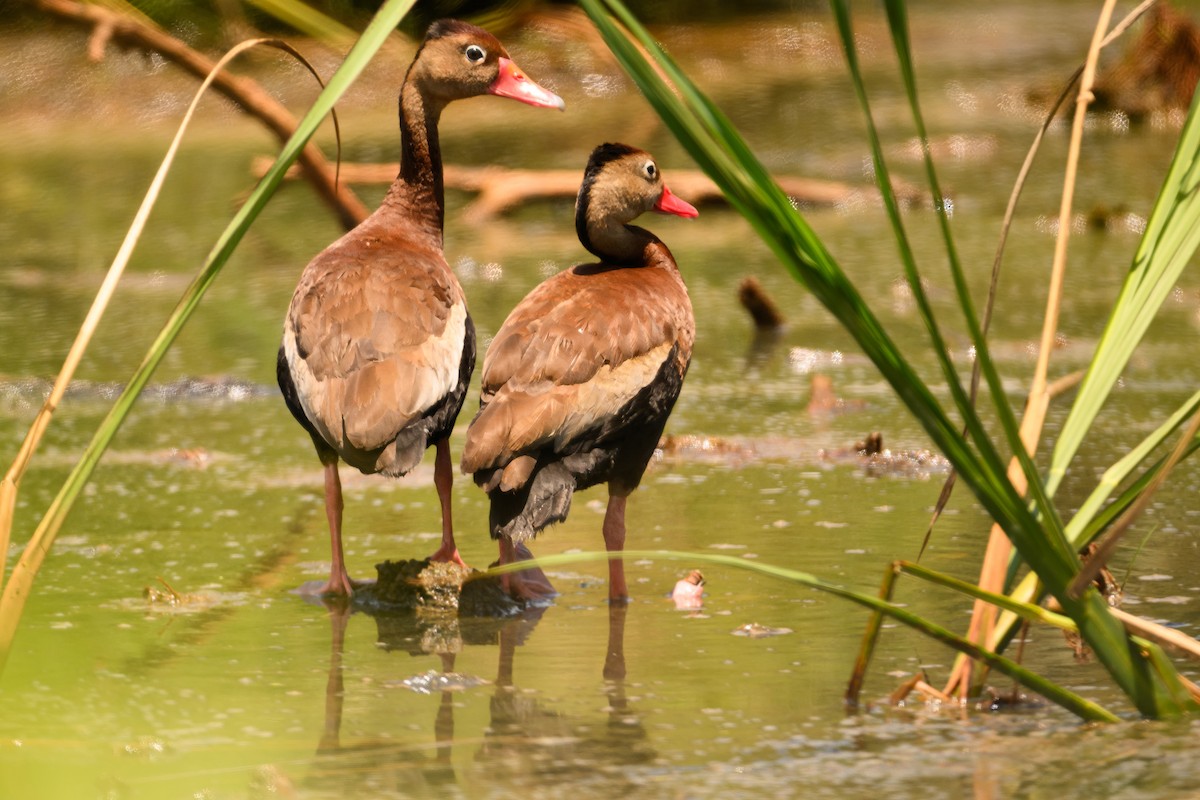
[
  {"x": 443, "y": 479},
  {"x": 614, "y": 541},
  {"x": 339, "y": 580},
  {"x": 528, "y": 584}
]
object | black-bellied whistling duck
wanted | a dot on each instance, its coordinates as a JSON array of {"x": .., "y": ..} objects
[
  {"x": 378, "y": 346},
  {"x": 579, "y": 381}
]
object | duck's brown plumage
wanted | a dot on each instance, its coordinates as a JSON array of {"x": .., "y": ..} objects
[
  {"x": 580, "y": 379},
  {"x": 378, "y": 346}
]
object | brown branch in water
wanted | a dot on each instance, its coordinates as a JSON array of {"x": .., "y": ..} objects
[
  {"x": 108, "y": 26},
  {"x": 502, "y": 189},
  {"x": 759, "y": 305}
]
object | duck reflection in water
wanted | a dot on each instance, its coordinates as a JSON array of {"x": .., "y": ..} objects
[
  {"x": 529, "y": 744},
  {"x": 524, "y": 742}
]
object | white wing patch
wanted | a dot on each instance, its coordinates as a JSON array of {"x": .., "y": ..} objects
[
  {"x": 437, "y": 359},
  {"x": 443, "y": 358},
  {"x": 609, "y": 389}
]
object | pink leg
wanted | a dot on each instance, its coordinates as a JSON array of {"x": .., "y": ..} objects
[
  {"x": 528, "y": 584},
  {"x": 443, "y": 479},
  {"x": 339, "y": 580},
  {"x": 614, "y": 541}
]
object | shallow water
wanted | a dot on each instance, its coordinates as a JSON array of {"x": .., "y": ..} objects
[{"x": 249, "y": 690}]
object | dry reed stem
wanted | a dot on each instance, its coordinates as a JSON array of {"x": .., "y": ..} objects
[
  {"x": 999, "y": 548},
  {"x": 1154, "y": 631},
  {"x": 35, "y": 550},
  {"x": 1005, "y": 228}
]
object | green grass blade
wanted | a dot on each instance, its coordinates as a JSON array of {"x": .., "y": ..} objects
[
  {"x": 716, "y": 146},
  {"x": 1117, "y": 474},
  {"x": 1024, "y": 610},
  {"x": 898, "y": 25},
  {"x": 897, "y": 22},
  {"x": 1069, "y": 700},
  {"x": 306, "y": 19},
  {"x": 866, "y": 650},
  {"x": 1170, "y": 240},
  {"x": 20, "y": 582}
]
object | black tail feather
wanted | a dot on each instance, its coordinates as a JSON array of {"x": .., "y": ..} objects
[{"x": 546, "y": 497}]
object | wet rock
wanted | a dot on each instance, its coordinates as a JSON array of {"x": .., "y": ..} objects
[
  {"x": 411, "y": 584},
  {"x": 426, "y": 585},
  {"x": 485, "y": 597}
]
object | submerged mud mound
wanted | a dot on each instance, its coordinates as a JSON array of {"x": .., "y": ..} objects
[{"x": 411, "y": 585}]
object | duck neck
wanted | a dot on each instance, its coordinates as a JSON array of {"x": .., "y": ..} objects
[
  {"x": 617, "y": 242},
  {"x": 417, "y": 192}
]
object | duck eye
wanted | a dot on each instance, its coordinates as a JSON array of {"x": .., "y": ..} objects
[
  {"x": 650, "y": 170},
  {"x": 475, "y": 53}
]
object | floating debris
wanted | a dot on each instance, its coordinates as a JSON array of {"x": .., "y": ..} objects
[
  {"x": 147, "y": 747},
  {"x": 705, "y": 448},
  {"x": 878, "y": 461},
  {"x": 434, "y": 681},
  {"x": 688, "y": 593},
  {"x": 30, "y": 390},
  {"x": 168, "y": 600},
  {"x": 753, "y": 630},
  {"x": 823, "y": 400}
]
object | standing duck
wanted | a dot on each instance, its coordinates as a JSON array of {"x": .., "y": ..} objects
[
  {"x": 579, "y": 381},
  {"x": 378, "y": 347}
]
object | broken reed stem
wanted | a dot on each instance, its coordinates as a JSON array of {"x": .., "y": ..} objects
[
  {"x": 759, "y": 305},
  {"x": 999, "y": 548},
  {"x": 867, "y": 648}
]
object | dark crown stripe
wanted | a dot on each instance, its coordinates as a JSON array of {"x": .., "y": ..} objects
[
  {"x": 451, "y": 27},
  {"x": 601, "y": 156}
]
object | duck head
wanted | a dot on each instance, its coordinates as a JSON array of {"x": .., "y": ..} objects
[
  {"x": 459, "y": 60},
  {"x": 620, "y": 184}
]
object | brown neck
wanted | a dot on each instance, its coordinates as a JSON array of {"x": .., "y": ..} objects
[
  {"x": 417, "y": 191},
  {"x": 618, "y": 243}
]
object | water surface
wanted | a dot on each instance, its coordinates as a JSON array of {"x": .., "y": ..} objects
[{"x": 210, "y": 487}]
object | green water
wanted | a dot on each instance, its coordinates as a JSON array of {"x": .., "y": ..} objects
[{"x": 211, "y": 487}]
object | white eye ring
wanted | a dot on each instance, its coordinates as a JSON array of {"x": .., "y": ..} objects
[
  {"x": 475, "y": 54},
  {"x": 650, "y": 170}
]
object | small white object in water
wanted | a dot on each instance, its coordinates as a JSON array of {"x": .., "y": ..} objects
[
  {"x": 434, "y": 681},
  {"x": 753, "y": 630},
  {"x": 688, "y": 593}
]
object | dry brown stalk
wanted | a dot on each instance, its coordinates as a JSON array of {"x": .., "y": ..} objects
[{"x": 999, "y": 549}]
